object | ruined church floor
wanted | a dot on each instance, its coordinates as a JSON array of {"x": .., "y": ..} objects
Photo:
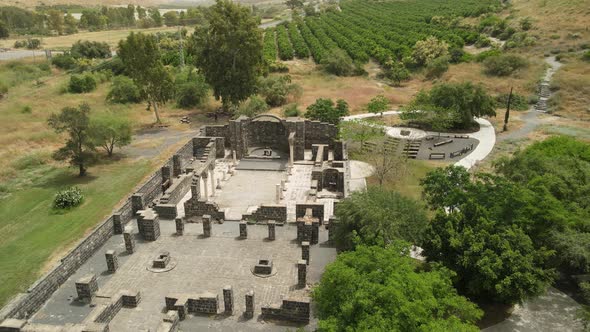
[{"x": 203, "y": 265}]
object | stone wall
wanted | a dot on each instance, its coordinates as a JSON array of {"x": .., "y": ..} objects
[
  {"x": 320, "y": 133},
  {"x": 290, "y": 310},
  {"x": 198, "y": 208},
  {"x": 217, "y": 131},
  {"x": 272, "y": 134},
  {"x": 276, "y": 212},
  {"x": 316, "y": 208}
]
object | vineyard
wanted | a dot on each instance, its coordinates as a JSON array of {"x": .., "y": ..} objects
[{"x": 378, "y": 30}]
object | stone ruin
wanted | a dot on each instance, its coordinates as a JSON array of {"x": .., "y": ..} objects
[{"x": 168, "y": 208}]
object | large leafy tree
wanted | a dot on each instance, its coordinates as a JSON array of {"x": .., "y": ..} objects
[
  {"x": 455, "y": 104},
  {"x": 79, "y": 147},
  {"x": 482, "y": 231},
  {"x": 326, "y": 111},
  {"x": 228, "y": 51},
  {"x": 109, "y": 131},
  {"x": 378, "y": 217},
  {"x": 141, "y": 56},
  {"x": 381, "y": 289}
]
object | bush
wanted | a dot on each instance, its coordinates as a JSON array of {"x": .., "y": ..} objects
[
  {"x": 338, "y": 63},
  {"x": 503, "y": 65},
  {"x": 486, "y": 54},
  {"x": 3, "y": 89},
  {"x": 254, "y": 106},
  {"x": 26, "y": 109},
  {"x": 276, "y": 89},
  {"x": 191, "y": 89},
  {"x": 291, "y": 110},
  {"x": 278, "y": 67},
  {"x": 63, "y": 61},
  {"x": 31, "y": 43},
  {"x": 82, "y": 83},
  {"x": 68, "y": 198},
  {"x": 518, "y": 102},
  {"x": 586, "y": 56},
  {"x": 437, "y": 67},
  {"x": 123, "y": 91},
  {"x": 90, "y": 50}
]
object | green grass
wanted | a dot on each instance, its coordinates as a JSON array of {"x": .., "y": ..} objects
[{"x": 32, "y": 231}]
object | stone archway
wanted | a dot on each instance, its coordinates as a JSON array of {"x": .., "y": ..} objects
[{"x": 267, "y": 132}]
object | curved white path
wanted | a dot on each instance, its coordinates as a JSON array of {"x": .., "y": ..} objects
[{"x": 486, "y": 137}]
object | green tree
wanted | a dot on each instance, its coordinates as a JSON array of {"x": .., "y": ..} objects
[
  {"x": 191, "y": 88},
  {"x": 4, "y": 33},
  {"x": 429, "y": 49},
  {"x": 378, "y": 217},
  {"x": 141, "y": 12},
  {"x": 155, "y": 16},
  {"x": 171, "y": 18},
  {"x": 378, "y": 104},
  {"x": 254, "y": 106},
  {"x": 55, "y": 19},
  {"x": 79, "y": 148},
  {"x": 294, "y": 4},
  {"x": 450, "y": 105},
  {"x": 228, "y": 51},
  {"x": 141, "y": 56},
  {"x": 324, "y": 110},
  {"x": 361, "y": 131},
  {"x": 337, "y": 62},
  {"x": 481, "y": 232},
  {"x": 276, "y": 89},
  {"x": 396, "y": 72},
  {"x": 109, "y": 131},
  {"x": 123, "y": 91},
  {"x": 70, "y": 24},
  {"x": 380, "y": 289}
]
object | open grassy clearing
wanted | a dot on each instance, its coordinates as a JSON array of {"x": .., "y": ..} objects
[
  {"x": 110, "y": 37},
  {"x": 572, "y": 89}
]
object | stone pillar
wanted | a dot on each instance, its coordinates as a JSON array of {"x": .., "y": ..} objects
[
  {"x": 206, "y": 225},
  {"x": 117, "y": 223},
  {"x": 205, "y": 184},
  {"x": 86, "y": 287},
  {"x": 291, "y": 154},
  {"x": 271, "y": 230},
  {"x": 249, "y": 313},
  {"x": 278, "y": 193},
  {"x": 243, "y": 229},
  {"x": 179, "y": 226},
  {"x": 218, "y": 184},
  {"x": 305, "y": 251},
  {"x": 129, "y": 242},
  {"x": 307, "y": 230},
  {"x": 283, "y": 187},
  {"x": 112, "y": 261},
  {"x": 228, "y": 299},
  {"x": 212, "y": 182},
  {"x": 196, "y": 187},
  {"x": 176, "y": 165},
  {"x": 315, "y": 231},
  {"x": 167, "y": 174},
  {"x": 137, "y": 202},
  {"x": 301, "y": 273},
  {"x": 233, "y": 153}
]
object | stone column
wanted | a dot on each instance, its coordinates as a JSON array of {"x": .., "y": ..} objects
[
  {"x": 129, "y": 242},
  {"x": 243, "y": 229},
  {"x": 218, "y": 184},
  {"x": 86, "y": 287},
  {"x": 179, "y": 226},
  {"x": 301, "y": 273},
  {"x": 315, "y": 231},
  {"x": 307, "y": 231},
  {"x": 305, "y": 251},
  {"x": 112, "y": 262},
  {"x": 271, "y": 230},
  {"x": 228, "y": 299},
  {"x": 206, "y": 225},
  {"x": 205, "y": 184},
  {"x": 233, "y": 152},
  {"x": 283, "y": 187},
  {"x": 176, "y": 165},
  {"x": 249, "y": 313},
  {"x": 278, "y": 193},
  {"x": 212, "y": 182},
  {"x": 291, "y": 155},
  {"x": 117, "y": 223}
]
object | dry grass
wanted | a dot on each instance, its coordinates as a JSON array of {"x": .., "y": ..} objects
[
  {"x": 33, "y": 3},
  {"x": 573, "y": 84},
  {"x": 110, "y": 37}
]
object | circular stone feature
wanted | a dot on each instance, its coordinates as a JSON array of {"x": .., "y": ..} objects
[{"x": 264, "y": 268}]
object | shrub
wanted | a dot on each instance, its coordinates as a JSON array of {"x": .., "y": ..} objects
[
  {"x": 82, "y": 83},
  {"x": 254, "y": 106},
  {"x": 276, "y": 89},
  {"x": 324, "y": 110},
  {"x": 191, "y": 89},
  {"x": 486, "y": 54},
  {"x": 68, "y": 198},
  {"x": 586, "y": 56},
  {"x": 437, "y": 67},
  {"x": 31, "y": 43},
  {"x": 291, "y": 110},
  {"x": 278, "y": 67},
  {"x": 338, "y": 63},
  {"x": 503, "y": 65},
  {"x": 123, "y": 91},
  {"x": 63, "y": 61},
  {"x": 429, "y": 49},
  {"x": 526, "y": 23},
  {"x": 90, "y": 50},
  {"x": 3, "y": 89},
  {"x": 518, "y": 102},
  {"x": 26, "y": 109}
]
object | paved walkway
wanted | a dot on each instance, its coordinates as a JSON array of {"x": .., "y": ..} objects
[{"x": 486, "y": 137}]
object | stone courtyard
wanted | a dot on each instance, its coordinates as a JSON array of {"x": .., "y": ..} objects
[{"x": 229, "y": 234}]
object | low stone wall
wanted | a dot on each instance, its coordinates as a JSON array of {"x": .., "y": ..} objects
[
  {"x": 316, "y": 208},
  {"x": 320, "y": 133},
  {"x": 276, "y": 212},
  {"x": 290, "y": 310},
  {"x": 199, "y": 208}
]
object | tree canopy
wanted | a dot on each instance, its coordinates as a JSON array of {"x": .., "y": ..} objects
[
  {"x": 382, "y": 289},
  {"x": 483, "y": 231},
  {"x": 455, "y": 104},
  {"x": 324, "y": 110},
  {"x": 109, "y": 131},
  {"x": 378, "y": 217},
  {"x": 228, "y": 51}
]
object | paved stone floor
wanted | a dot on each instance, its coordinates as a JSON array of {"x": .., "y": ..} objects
[{"x": 203, "y": 265}]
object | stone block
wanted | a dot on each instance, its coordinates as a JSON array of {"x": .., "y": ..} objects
[
  {"x": 148, "y": 224},
  {"x": 249, "y": 313},
  {"x": 305, "y": 251},
  {"x": 112, "y": 261},
  {"x": 264, "y": 266},
  {"x": 206, "y": 225},
  {"x": 129, "y": 242},
  {"x": 161, "y": 261},
  {"x": 117, "y": 223},
  {"x": 86, "y": 287},
  {"x": 243, "y": 229},
  {"x": 228, "y": 299},
  {"x": 179, "y": 226},
  {"x": 130, "y": 299},
  {"x": 271, "y": 230},
  {"x": 301, "y": 273},
  {"x": 12, "y": 325}
]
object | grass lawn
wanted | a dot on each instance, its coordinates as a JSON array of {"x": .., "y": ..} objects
[{"x": 32, "y": 232}]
